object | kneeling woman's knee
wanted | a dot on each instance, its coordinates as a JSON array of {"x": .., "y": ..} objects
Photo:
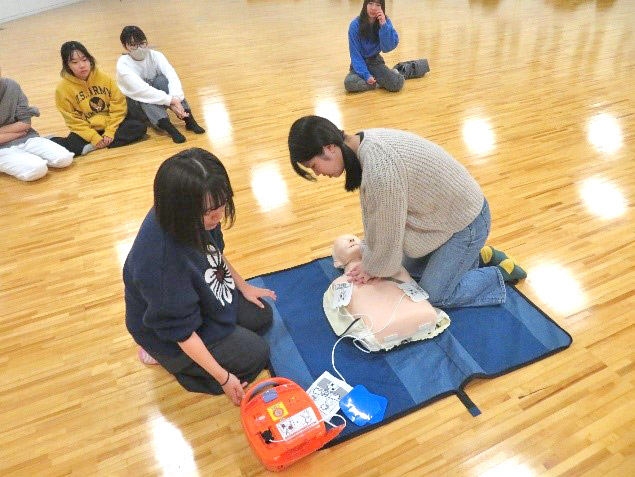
[
  {"x": 265, "y": 318},
  {"x": 256, "y": 358},
  {"x": 437, "y": 296}
]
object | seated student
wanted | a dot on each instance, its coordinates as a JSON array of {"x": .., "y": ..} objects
[
  {"x": 186, "y": 306},
  {"x": 152, "y": 86},
  {"x": 91, "y": 104},
  {"x": 369, "y": 34},
  {"x": 389, "y": 317},
  {"x": 23, "y": 154}
]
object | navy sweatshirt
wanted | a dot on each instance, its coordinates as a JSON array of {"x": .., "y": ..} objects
[{"x": 172, "y": 290}]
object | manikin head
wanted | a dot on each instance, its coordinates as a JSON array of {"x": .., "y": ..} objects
[{"x": 346, "y": 249}]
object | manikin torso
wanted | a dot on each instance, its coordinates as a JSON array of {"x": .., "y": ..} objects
[{"x": 377, "y": 300}]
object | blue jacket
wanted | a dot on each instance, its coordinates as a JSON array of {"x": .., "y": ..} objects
[
  {"x": 172, "y": 290},
  {"x": 361, "y": 48}
]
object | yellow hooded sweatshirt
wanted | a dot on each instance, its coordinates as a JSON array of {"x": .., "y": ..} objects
[{"x": 91, "y": 108}]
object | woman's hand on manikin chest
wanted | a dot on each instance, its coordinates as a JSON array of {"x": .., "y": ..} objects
[{"x": 358, "y": 275}]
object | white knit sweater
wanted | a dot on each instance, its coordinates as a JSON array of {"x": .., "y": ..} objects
[{"x": 414, "y": 196}]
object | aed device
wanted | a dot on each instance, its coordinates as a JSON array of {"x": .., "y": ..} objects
[{"x": 282, "y": 423}]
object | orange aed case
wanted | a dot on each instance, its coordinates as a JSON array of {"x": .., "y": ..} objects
[{"x": 282, "y": 424}]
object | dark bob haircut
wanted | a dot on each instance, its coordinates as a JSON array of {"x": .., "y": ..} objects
[
  {"x": 307, "y": 138},
  {"x": 132, "y": 35},
  {"x": 66, "y": 52},
  {"x": 367, "y": 29},
  {"x": 186, "y": 185}
]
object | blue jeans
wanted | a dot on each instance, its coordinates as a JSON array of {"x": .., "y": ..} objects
[{"x": 451, "y": 275}]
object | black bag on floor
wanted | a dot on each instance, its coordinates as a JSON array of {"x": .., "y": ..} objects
[{"x": 413, "y": 68}]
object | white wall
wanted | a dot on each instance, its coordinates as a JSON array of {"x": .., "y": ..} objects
[{"x": 12, "y": 9}]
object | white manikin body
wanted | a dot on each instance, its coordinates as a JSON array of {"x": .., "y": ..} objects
[{"x": 387, "y": 318}]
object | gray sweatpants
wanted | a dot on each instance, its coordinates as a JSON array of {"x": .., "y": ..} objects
[
  {"x": 387, "y": 78},
  {"x": 152, "y": 112},
  {"x": 244, "y": 353}
]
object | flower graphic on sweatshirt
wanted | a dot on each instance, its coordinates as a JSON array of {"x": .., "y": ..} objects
[{"x": 218, "y": 277}]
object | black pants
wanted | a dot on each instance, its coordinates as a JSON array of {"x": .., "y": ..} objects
[
  {"x": 244, "y": 353},
  {"x": 129, "y": 131}
]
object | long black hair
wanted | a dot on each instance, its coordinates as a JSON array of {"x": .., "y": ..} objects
[
  {"x": 307, "y": 138},
  {"x": 66, "y": 52},
  {"x": 367, "y": 29},
  {"x": 183, "y": 188}
]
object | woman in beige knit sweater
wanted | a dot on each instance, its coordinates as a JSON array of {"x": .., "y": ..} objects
[{"x": 420, "y": 208}]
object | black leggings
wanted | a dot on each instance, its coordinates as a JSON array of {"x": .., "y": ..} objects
[
  {"x": 129, "y": 131},
  {"x": 244, "y": 353}
]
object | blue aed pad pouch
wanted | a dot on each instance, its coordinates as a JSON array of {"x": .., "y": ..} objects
[
  {"x": 379, "y": 415},
  {"x": 360, "y": 406}
]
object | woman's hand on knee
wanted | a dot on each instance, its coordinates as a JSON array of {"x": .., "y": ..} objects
[
  {"x": 253, "y": 294},
  {"x": 371, "y": 80},
  {"x": 234, "y": 389}
]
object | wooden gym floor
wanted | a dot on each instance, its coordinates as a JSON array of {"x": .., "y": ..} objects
[{"x": 532, "y": 96}]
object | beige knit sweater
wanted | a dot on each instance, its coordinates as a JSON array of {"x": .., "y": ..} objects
[{"x": 414, "y": 196}]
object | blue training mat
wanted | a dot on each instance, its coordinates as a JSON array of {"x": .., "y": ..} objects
[{"x": 480, "y": 342}]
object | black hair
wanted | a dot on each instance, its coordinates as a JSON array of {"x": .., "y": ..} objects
[
  {"x": 367, "y": 29},
  {"x": 132, "y": 34},
  {"x": 66, "y": 52},
  {"x": 307, "y": 138},
  {"x": 183, "y": 187}
]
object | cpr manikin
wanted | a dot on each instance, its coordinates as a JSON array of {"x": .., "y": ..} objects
[{"x": 379, "y": 314}]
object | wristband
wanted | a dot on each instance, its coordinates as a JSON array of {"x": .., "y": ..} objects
[{"x": 226, "y": 381}]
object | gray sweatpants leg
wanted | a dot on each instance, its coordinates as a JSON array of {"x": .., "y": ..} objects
[
  {"x": 353, "y": 83},
  {"x": 244, "y": 353},
  {"x": 387, "y": 78},
  {"x": 153, "y": 112}
]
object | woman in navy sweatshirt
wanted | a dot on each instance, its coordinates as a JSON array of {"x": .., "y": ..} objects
[
  {"x": 186, "y": 306},
  {"x": 369, "y": 34}
]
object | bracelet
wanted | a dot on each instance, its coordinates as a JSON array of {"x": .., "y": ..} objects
[{"x": 226, "y": 381}]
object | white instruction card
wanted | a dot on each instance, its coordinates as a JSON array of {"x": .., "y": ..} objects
[
  {"x": 414, "y": 291},
  {"x": 342, "y": 293},
  {"x": 326, "y": 393}
]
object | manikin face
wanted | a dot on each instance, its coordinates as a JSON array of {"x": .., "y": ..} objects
[
  {"x": 330, "y": 163},
  {"x": 212, "y": 217},
  {"x": 345, "y": 249},
  {"x": 373, "y": 8},
  {"x": 79, "y": 65}
]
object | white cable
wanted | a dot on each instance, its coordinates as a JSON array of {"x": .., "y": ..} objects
[
  {"x": 336, "y": 415},
  {"x": 333, "y": 356},
  {"x": 394, "y": 312},
  {"x": 356, "y": 339}
]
